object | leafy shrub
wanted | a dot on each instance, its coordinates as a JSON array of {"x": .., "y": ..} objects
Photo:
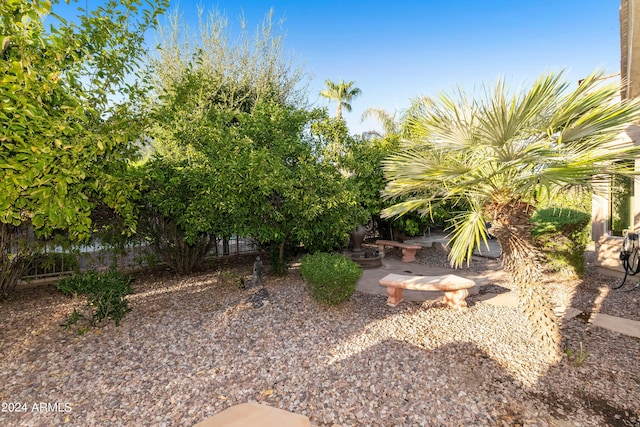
[
  {"x": 331, "y": 278},
  {"x": 105, "y": 294},
  {"x": 562, "y": 234}
]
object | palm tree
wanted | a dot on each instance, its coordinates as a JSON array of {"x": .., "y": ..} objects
[
  {"x": 388, "y": 121},
  {"x": 401, "y": 126},
  {"x": 419, "y": 107},
  {"x": 342, "y": 92},
  {"x": 494, "y": 155}
]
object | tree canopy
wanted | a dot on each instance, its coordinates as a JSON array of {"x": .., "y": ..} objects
[
  {"x": 64, "y": 137},
  {"x": 230, "y": 126},
  {"x": 69, "y": 120}
]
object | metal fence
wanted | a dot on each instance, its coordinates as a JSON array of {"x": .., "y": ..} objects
[{"x": 55, "y": 261}]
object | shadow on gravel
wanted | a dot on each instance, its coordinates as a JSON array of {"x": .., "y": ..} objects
[{"x": 600, "y": 369}]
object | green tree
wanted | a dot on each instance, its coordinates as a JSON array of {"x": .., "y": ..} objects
[
  {"x": 64, "y": 140},
  {"x": 231, "y": 125},
  {"x": 495, "y": 155},
  {"x": 341, "y": 92}
]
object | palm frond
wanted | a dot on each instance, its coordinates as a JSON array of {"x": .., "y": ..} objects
[{"x": 469, "y": 232}]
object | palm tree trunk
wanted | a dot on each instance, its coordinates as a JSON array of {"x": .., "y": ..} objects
[
  {"x": 339, "y": 111},
  {"x": 520, "y": 259}
]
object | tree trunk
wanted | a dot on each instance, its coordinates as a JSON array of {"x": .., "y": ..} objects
[
  {"x": 339, "y": 111},
  {"x": 281, "y": 255},
  {"x": 15, "y": 252},
  {"x": 520, "y": 259}
]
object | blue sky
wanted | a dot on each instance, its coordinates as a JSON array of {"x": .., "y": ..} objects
[{"x": 396, "y": 50}]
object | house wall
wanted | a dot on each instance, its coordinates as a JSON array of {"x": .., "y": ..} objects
[
  {"x": 630, "y": 48},
  {"x": 608, "y": 247}
]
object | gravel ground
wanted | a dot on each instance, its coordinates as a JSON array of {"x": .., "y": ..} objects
[{"x": 192, "y": 347}]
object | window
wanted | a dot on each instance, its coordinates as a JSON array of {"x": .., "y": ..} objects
[{"x": 621, "y": 205}]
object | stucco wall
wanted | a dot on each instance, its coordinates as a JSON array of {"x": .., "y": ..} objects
[{"x": 608, "y": 256}]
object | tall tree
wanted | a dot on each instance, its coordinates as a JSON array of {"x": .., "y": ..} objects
[
  {"x": 341, "y": 92},
  {"x": 64, "y": 141},
  {"x": 393, "y": 125},
  {"x": 496, "y": 154},
  {"x": 234, "y": 148}
]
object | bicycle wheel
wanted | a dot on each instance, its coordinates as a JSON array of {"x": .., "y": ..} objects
[
  {"x": 630, "y": 257},
  {"x": 634, "y": 262},
  {"x": 630, "y": 266}
]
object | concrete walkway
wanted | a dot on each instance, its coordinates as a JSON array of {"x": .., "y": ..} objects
[
  {"x": 490, "y": 250},
  {"x": 369, "y": 283}
]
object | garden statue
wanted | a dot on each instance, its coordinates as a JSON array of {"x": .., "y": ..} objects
[
  {"x": 259, "y": 298},
  {"x": 357, "y": 236},
  {"x": 256, "y": 279}
]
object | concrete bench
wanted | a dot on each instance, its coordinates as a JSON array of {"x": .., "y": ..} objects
[
  {"x": 408, "y": 251},
  {"x": 255, "y": 415},
  {"x": 454, "y": 287}
]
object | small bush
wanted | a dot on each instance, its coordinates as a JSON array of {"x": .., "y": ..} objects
[
  {"x": 331, "y": 278},
  {"x": 562, "y": 234},
  {"x": 105, "y": 294}
]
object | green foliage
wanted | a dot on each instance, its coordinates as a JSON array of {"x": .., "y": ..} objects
[
  {"x": 572, "y": 198},
  {"x": 331, "y": 278},
  {"x": 555, "y": 220},
  {"x": 106, "y": 297},
  {"x": 331, "y": 139},
  {"x": 363, "y": 159},
  {"x": 212, "y": 66},
  {"x": 577, "y": 357},
  {"x": 562, "y": 234},
  {"x": 65, "y": 141},
  {"x": 174, "y": 215},
  {"x": 235, "y": 155},
  {"x": 15, "y": 251},
  {"x": 410, "y": 225}
]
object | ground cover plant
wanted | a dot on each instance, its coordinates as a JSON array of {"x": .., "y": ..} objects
[{"x": 105, "y": 294}]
